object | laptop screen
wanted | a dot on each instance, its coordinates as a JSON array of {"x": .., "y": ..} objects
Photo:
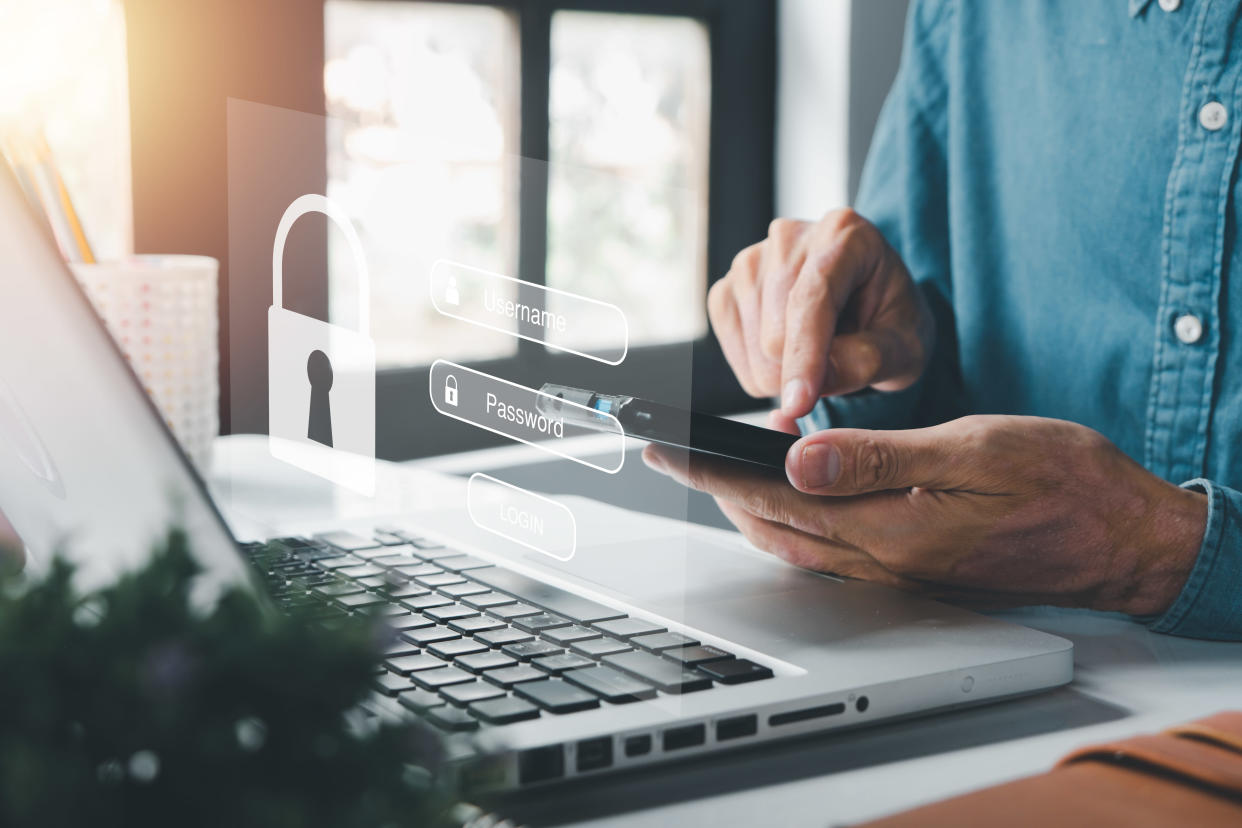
[{"x": 88, "y": 469}]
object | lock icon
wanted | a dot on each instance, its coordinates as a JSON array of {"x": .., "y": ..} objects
[
  {"x": 450, "y": 390},
  {"x": 451, "y": 294},
  {"x": 321, "y": 377}
]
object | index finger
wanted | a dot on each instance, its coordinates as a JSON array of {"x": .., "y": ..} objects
[{"x": 824, "y": 285}]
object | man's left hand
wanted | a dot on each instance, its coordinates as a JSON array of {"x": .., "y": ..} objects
[{"x": 985, "y": 510}]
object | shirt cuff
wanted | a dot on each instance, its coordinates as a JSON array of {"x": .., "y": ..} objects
[{"x": 1210, "y": 604}]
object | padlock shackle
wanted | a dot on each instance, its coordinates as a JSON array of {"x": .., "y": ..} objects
[{"x": 315, "y": 203}]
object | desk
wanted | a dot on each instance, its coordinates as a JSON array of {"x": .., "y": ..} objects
[{"x": 1128, "y": 681}]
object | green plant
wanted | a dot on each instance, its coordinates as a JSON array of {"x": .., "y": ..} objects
[{"x": 128, "y": 706}]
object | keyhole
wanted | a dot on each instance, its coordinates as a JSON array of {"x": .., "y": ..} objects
[{"x": 319, "y": 372}]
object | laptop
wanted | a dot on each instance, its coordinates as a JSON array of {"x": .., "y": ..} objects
[{"x": 665, "y": 642}]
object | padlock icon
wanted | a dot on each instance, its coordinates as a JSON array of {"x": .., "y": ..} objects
[
  {"x": 321, "y": 377},
  {"x": 450, "y": 390},
  {"x": 451, "y": 294}
]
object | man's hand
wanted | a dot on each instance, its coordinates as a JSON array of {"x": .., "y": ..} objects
[
  {"x": 821, "y": 308},
  {"x": 986, "y": 510}
]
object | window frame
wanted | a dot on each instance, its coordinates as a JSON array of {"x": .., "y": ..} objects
[{"x": 742, "y": 54}]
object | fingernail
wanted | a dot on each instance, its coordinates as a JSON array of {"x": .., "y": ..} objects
[
  {"x": 820, "y": 466},
  {"x": 793, "y": 397}
]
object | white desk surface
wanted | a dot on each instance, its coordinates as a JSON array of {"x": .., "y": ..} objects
[{"x": 1127, "y": 681}]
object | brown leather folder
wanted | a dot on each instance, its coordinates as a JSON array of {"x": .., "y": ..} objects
[{"x": 1188, "y": 775}]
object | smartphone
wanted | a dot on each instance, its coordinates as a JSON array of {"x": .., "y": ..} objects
[{"x": 668, "y": 425}]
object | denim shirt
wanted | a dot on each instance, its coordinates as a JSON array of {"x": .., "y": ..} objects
[{"x": 1060, "y": 176}]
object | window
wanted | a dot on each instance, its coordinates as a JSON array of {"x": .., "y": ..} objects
[
  {"x": 618, "y": 150},
  {"x": 63, "y": 77}
]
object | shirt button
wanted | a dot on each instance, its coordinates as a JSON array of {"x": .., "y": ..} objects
[
  {"x": 1170, "y": 5},
  {"x": 1189, "y": 328},
  {"x": 1213, "y": 115}
]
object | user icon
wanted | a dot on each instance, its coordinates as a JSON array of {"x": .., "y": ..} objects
[{"x": 451, "y": 294}]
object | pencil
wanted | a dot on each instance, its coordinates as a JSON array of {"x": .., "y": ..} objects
[{"x": 61, "y": 194}]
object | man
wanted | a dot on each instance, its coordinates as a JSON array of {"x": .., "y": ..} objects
[{"x": 1046, "y": 240}]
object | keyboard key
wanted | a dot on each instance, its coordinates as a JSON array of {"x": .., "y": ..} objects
[
  {"x": 616, "y": 687},
  {"x": 390, "y": 560},
  {"x": 390, "y": 684},
  {"x": 530, "y": 649},
  {"x": 456, "y": 646},
  {"x": 372, "y": 582},
  {"x": 339, "y": 562},
  {"x": 690, "y": 656},
  {"x": 358, "y": 601},
  {"x": 347, "y": 541},
  {"x": 337, "y": 588},
  {"x": 555, "y": 696},
  {"x": 567, "y": 635},
  {"x": 439, "y": 579},
  {"x": 429, "y": 635},
  {"x": 414, "y": 570},
  {"x": 410, "y": 590},
  {"x": 473, "y": 691},
  {"x": 449, "y": 612},
  {"x": 553, "y": 599},
  {"x": 628, "y": 627},
  {"x": 660, "y": 642},
  {"x": 503, "y": 636},
  {"x": 736, "y": 671},
  {"x": 461, "y": 563},
  {"x": 400, "y": 648},
  {"x": 424, "y": 543},
  {"x": 489, "y": 660},
  {"x": 596, "y": 647},
  {"x": 487, "y": 599},
  {"x": 518, "y": 674},
  {"x": 557, "y": 664},
  {"x": 451, "y": 718},
  {"x": 435, "y": 553},
  {"x": 410, "y": 622},
  {"x": 361, "y": 571},
  {"x": 540, "y": 621},
  {"x": 387, "y": 538},
  {"x": 443, "y": 677},
  {"x": 474, "y": 624},
  {"x": 418, "y": 700},
  {"x": 669, "y": 677},
  {"x": 510, "y": 611},
  {"x": 413, "y": 663},
  {"x": 421, "y": 602},
  {"x": 504, "y": 710},
  {"x": 463, "y": 589}
]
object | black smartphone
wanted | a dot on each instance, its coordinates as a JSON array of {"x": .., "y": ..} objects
[{"x": 668, "y": 425}]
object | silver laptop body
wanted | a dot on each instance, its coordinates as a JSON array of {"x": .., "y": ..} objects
[{"x": 88, "y": 467}]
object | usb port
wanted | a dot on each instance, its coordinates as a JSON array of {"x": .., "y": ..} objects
[
  {"x": 737, "y": 727},
  {"x": 676, "y": 738}
]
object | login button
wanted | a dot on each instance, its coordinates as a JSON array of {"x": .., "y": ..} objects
[{"x": 526, "y": 518}]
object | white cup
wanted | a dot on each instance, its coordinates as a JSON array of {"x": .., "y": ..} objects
[{"x": 162, "y": 312}]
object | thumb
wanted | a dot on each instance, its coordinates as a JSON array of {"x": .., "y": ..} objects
[{"x": 850, "y": 461}]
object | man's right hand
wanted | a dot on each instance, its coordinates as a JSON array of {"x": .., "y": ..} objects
[{"x": 819, "y": 309}]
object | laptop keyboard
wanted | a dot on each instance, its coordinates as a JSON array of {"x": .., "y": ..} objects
[{"x": 479, "y": 645}]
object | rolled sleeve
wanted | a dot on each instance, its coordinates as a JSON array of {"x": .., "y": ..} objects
[{"x": 1210, "y": 604}]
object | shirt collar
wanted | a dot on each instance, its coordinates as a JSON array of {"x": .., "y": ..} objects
[{"x": 1137, "y": 7}]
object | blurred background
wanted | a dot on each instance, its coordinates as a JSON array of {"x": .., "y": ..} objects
[{"x": 622, "y": 149}]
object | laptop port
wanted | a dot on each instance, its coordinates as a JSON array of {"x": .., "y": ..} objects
[
  {"x": 637, "y": 745},
  {"x": 594, "y": 754},
  {"x": 541, "y": 764},
  {"x": 676, "y": 738},
  {"x": 862, "y": 704},
  {"x": 806, "y": 713},
  {"x": 737, "y": 727}
]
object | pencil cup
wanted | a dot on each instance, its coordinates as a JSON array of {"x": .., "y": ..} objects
[{"x": 162, "y": 312}]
